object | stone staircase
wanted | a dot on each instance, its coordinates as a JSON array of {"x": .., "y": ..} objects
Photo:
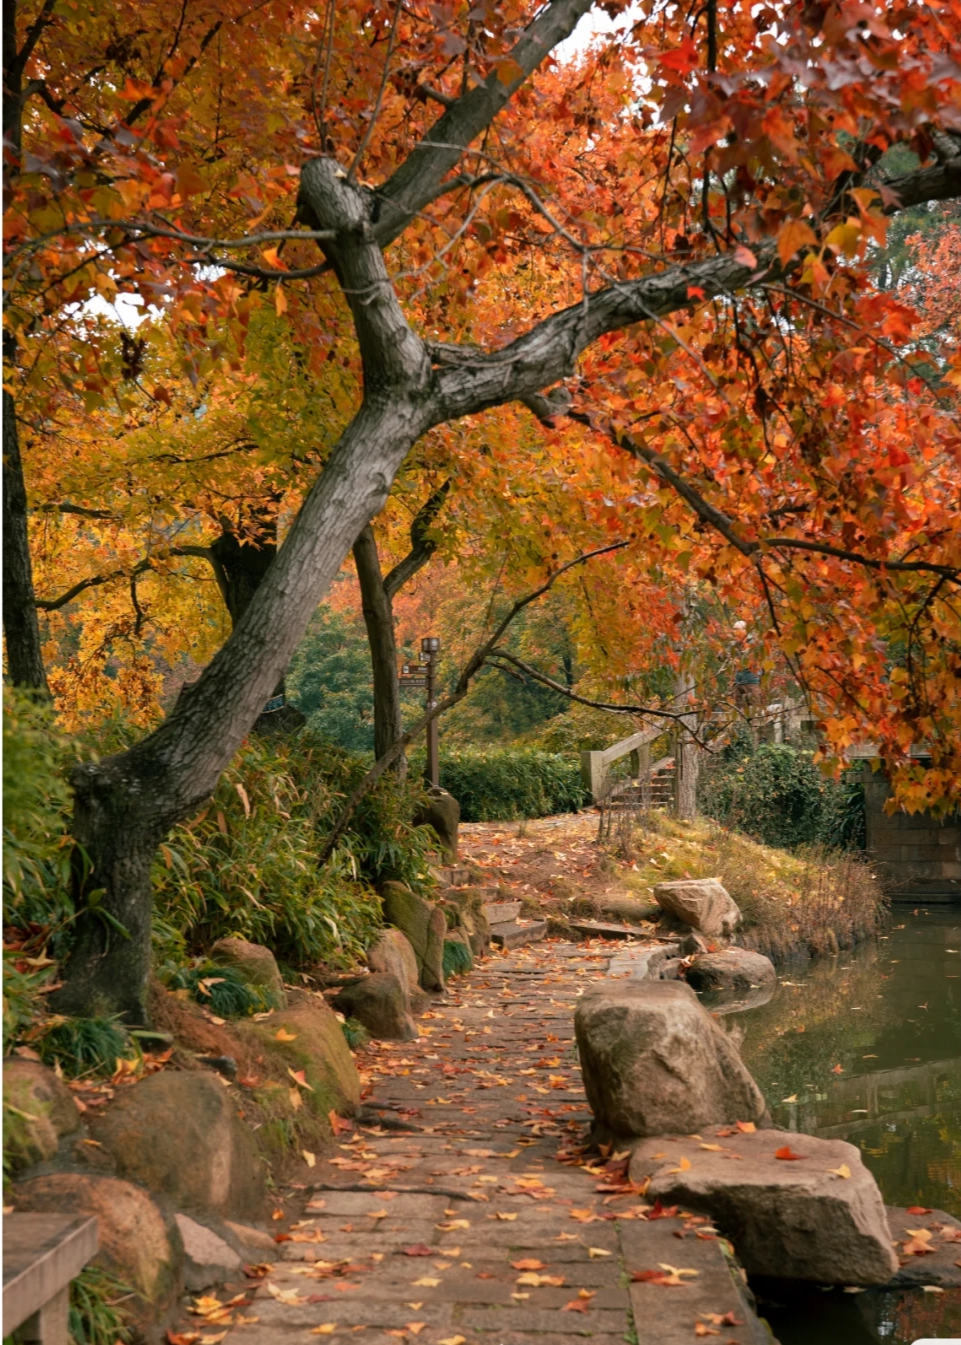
[{"x": 508, "y": 930}]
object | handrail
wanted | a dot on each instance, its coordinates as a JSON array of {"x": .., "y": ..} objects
[{"x": 595, "y": 775}]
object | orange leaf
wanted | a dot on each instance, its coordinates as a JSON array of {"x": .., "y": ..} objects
[
  {"x": 794, "y": 235},
  {"x": 787, "y": 1154},
  {"x": 746, "y": 1127}
]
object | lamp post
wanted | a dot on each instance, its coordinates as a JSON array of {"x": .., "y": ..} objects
[{"x": 429, "y": 650}]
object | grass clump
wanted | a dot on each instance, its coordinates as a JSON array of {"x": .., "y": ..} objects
[
  {"x": 355, "y": 1034},
  {"x": 83, "y": 1045},
  {"x": 812, "y": 900},
  {"x": 457, "y": 958},
  {"x": 222, "y": 990},
  {"x": 96, "y": 1315}
]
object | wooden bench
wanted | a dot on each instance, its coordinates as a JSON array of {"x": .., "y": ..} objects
[{"x": 42, "y": 1253}]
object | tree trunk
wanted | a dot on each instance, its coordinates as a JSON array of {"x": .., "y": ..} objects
[
  {"x": 20, "y": 624},
  {"x": 379, "y": 620}
]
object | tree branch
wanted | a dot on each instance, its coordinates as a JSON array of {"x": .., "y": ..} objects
[
  {"x": 473, "y": 665},
  {"x": 147, "y": 563},
  {"x": 422, "y": 547},
  {"x": 414, "y": 183},
  {"x": 681, "y": 718}
]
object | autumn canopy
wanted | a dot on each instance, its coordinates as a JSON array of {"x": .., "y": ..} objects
[{"x": 689, "y": 286}]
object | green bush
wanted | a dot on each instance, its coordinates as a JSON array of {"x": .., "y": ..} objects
[
  {"x": 96, "y": 1314},
  {"x": 247, "y": 864},
  {"x": 775, "y": 793},
  {"x": 83, "y": 1045},
  {"x": 504, "y": 783},
  {"x": 36, "y": 808}
]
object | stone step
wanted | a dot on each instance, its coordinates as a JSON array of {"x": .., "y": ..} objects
[
  {"x": 599, "y": 929},
  {"x": 502, "y": 912},
  {"x": 515, "y": 934},
  {"x": 452, "y": 876},
  {"x": 710, "y": 1293}
]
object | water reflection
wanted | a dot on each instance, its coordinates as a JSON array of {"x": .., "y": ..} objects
[{"x": 867, "y": 1047}]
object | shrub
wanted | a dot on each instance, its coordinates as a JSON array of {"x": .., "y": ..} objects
[
  {"x": 355, "y": 1034},
  {"x": 36, "y": 804},
  {"x": 247, "y": 864},
  {"x": 457, "y": 958},
  {"x": 505, "y": 783},
  {"x": 775, "y": 793}
]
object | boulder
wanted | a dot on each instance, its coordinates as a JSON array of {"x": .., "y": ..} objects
[
  {"x": 255, "y": 964},
  {"x": 208, "y": 1260},
  {"x": 630, "y": 909},
  {"x": 692, "y": 945},
  {"x": 654, "y": 1061},
  {"x": 179, "y": 1135},
  {"x": 136, "y": 1242},
  {"x": 425, "y": 927},
  {"x": 442, "y": 812},
  {"x": 38, "y": 1109},
  {"x": 379, "y": 1002},
  {"x": 816, "y": 1217},
  {"x": 254, "y": 1243},
  {"x": 307, "y": 1036},
  {"x": 733, "y": 969},
  {"x": 700, "y": 902},
  {"x": 466, "y": 908},
  {"x": 393, "y": 953}
]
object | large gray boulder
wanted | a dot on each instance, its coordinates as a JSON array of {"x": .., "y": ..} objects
[
  {"x": 818, "y": 1216},
  {"x": 380, "y": 1003},
  {"x": 702, "y": 903},
  {"x": 655, "y": 1062},
  {"x": 208, "y": 1260},
  {"x": 425, "y": 927},
  {"x": 733, "y": 969}
]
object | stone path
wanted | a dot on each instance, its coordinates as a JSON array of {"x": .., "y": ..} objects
[{"x": 487, "y": 1225}]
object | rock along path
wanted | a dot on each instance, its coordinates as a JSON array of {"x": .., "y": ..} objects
[{"x": 487, "y": 1225}]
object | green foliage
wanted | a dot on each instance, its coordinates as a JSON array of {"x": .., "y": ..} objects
[
  {"x": 36, "y": 804},
  {"x": 775, "y": 793},
  {"x": 222, "y": 990},
  {"x": 456, "y": 958},
  {"x": 84, "y": 1045},
  {"x": 96, "y": 1317},
  {"x": 504, "y": 783},
  {"x": 330, "y": 681},
  {"x": 355, "y": 1034},
  {"x": 247, "y": 865},
  {"x": 22, "y": 996}
]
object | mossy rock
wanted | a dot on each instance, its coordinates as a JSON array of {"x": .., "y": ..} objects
[
  {"x": 38, "y": 1109},
  {"x": 310, "y": 1041},
  {"x": 254, "y": 964}
]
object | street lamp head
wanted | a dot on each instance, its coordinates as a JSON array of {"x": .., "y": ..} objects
[{"x": 430, "y": 644}]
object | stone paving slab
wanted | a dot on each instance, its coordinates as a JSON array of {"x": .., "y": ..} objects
[{"x": 494, "y": 1085}]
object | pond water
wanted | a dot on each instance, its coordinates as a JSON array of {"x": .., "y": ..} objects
[{"x": 866, "y": 1047}]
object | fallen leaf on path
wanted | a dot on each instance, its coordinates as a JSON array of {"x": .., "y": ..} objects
[
  {"x": 451, "y": 1224},
  {"x": 181, "y": 1337},
  {"x": 415, "y": 1328},
  {"x": 746, "y": 1127},
  {"x": 576, "y": 1305},
  {"x": 595, "y": 1252},
  {"x": 288, "y": 1296},
  {"x": 787, "y": 1154},
  {"x": 535, "y": 1281},
  {"x": 842, "y": 1171},
  {"x": 258, "y": 1272},
  {"x": 506, "y": 1217},
  {"x": 683, "y": 1166},
  {"x": 701, "y": 1330},
  {"x": 325, "y": 1329},
  {"x": 659, "y": 1211},
  {"x": 283, "y": 1035},
  {"x": 419, "y": 1249},
  {"x": 721, "y": 1318},
  {"x": 714, "y": 1148},
  {"x": 309, "y": 1158},
  {"x": 452, "y": 1340},
  {"x": 426, "y": 1282},
  {"x": 918, "y": 1242},
  {"x": 528, "y": 1264}
]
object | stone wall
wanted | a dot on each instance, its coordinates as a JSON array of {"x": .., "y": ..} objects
[{"x": 917, "y": 856}]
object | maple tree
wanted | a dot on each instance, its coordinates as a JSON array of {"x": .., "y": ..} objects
[{"x": 676, "y": 233}]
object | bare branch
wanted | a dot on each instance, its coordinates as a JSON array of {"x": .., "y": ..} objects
[{"x": 422, "y": 547}]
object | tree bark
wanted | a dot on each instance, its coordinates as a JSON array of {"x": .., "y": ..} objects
[
  {"x": 20, "y": 625},
  {"x": 379, "y": 620}
]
